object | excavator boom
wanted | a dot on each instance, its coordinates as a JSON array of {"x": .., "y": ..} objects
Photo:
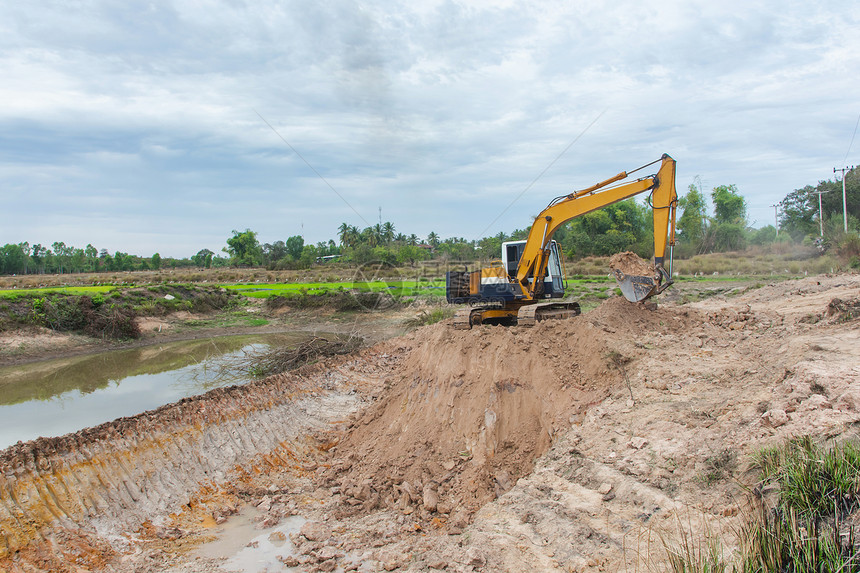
[
  {"x": 516, "y": 293},
  {"x": 663, "y": 199}
]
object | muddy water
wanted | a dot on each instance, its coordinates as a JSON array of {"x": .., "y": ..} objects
[
  {"x": 56, "y": 397},
  {"x": 243, "y": 548}
]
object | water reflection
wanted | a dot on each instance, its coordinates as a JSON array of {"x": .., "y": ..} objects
[{"x": 56, "y": 397}]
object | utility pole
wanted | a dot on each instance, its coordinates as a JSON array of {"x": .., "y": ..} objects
[
  {"x": 844, "y": 202},
  {"x": 820, "y": 218},
  {"x": 776, "y": 218}
]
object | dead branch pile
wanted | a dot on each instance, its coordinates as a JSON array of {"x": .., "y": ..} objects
[
  {"x": 283, "y": 359},
  {"x": 843, "y": 310}
]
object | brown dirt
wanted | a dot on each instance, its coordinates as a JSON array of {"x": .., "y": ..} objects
[
  {"x": 468, "y": 413},
  {"x": 630, "y": 263},
  {"x": 573, "y": 446}
]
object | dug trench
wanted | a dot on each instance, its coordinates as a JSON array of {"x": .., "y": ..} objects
[
  {"x": 452, "y": 420},
  {"x": 496, "y": 449}
]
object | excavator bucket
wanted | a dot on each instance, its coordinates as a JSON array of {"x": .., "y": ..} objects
[{"x": 635, "y": 288}]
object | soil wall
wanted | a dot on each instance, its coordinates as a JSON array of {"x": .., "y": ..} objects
[{"x": 113, "y": 478}]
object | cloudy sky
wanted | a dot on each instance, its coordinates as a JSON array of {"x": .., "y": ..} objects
[{"x": 144, "y": 126}]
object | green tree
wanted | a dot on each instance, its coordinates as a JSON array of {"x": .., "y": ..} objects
[
  {"x": 728, "y": 230},
  {"x": 295, "y": 245},
  {"x": 244, "y": 248},
  {"x": 274, "y": 252},
  {"x": 433, "y": 239},
  {"x": 798, "y": 213},
  {"x": 76, "y": 261},
  {"x": 38, "y": 253},
  {"x": 155, "y": 262},
  {"x": 92, "y": 257},
  {"x": 203, "y": 258},
  {"x": 728, "y": 237},
  {"x": 387, "y": 232},
  {"x": 764, "y": 236},
  {"x": 729, "y": 206},
  {"x": 62, "y": 254},
  {"x": 12, "y": 259},
  {"x": 344, "y": 233},
  {"x": 692, "y": 223}
]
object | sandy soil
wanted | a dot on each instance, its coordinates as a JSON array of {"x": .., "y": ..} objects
[
  {"x": 579, "y": 445},
  {"x": 630, "y": 264}
]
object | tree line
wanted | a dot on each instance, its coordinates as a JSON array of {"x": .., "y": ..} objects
[
  {"x": 59, "y": 258},
  {"x": 714, "y": 221}
]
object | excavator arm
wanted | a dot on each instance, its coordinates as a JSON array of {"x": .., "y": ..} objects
[{"x": 532, "y": 267}]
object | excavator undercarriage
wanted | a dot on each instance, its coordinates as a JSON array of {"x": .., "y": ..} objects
[{"x": 526, "y": 315}]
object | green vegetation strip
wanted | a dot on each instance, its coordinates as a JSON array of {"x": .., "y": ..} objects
[
  {"x": 395, "y": 287},
  {"x": 73, "y": 290}
]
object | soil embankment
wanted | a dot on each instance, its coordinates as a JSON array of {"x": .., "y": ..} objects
[
  {"x": 101, "y": 485},
  {"x": 572, "y": 446}
]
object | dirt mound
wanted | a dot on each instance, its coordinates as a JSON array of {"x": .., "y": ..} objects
[
  {"x": 630, "y": 263},
  {"x": 470, "y": 411}
]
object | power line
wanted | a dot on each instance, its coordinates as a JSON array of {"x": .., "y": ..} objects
[
  {"x": 296, "y": 151},
  {"x": 551, "y": 163},
  {"x": 852, "y": 140}
]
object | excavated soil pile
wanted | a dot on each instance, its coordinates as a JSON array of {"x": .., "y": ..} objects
[
  {"x": 630, "y": 263},
  {"x": 470, "y": 411}
]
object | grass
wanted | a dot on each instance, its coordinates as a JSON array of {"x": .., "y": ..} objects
[
  {"x": 395, "y": 287},
  {"x": 800, "y": 517},
  {"x": 807, "y": 528},
  {"x": 234, "y": 318},
  {"x": 718, "y": 467},
  {"x": 426, "y": 317},
  {"x": 694, "y": 553},
  {"x": 72, "y": 290}
]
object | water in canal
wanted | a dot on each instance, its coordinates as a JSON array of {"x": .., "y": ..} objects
[{"x": 55, "y": 397}]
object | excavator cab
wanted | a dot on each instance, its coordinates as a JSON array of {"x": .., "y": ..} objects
[
  {"x": 497, "y": 284},
  {"x": 554, "y": 282}
]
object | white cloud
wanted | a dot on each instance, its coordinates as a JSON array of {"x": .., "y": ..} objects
[{"x": 440, "y": 112}]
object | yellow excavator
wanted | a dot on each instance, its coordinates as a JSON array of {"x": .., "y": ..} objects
[{"x": 515, "y": 291}]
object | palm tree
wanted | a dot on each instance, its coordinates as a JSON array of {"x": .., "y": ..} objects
[
  {"x": 369, "y": 236},
  {"x": 412, "y": 240},
  {"x": 388, "y": 231},
  {"x": 343, "y": 233},
  {"x": 433, "y": 239}
]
